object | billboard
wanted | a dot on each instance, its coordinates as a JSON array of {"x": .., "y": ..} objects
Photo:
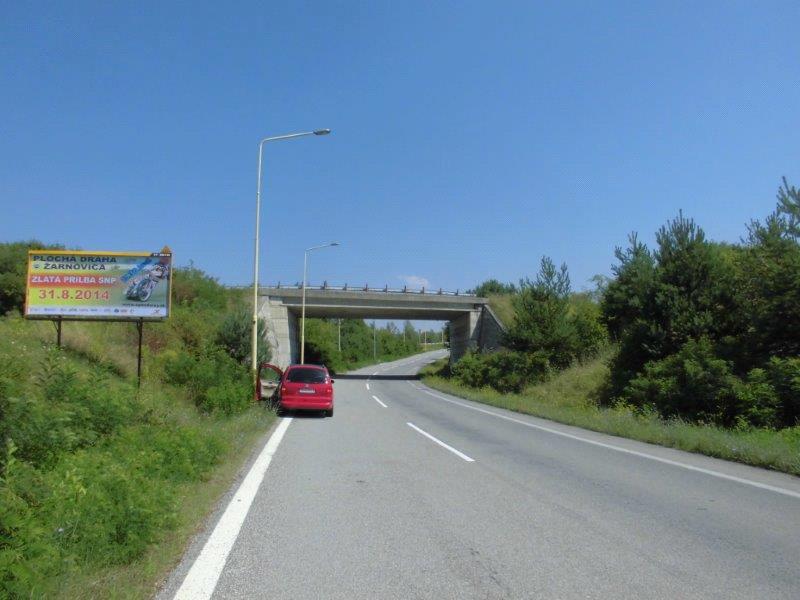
[{"x": 98, "y": 285}]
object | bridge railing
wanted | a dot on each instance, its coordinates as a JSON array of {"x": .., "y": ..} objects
[{"x": 366, "y": 288}]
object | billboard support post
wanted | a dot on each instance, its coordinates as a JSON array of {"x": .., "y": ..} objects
[
  {"x": 57, "y": 323},
  {"x": 140, "y": 327}
]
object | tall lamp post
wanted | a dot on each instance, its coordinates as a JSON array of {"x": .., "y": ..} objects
[
  {"x": 254, "y": 341},
  {"x": 303, "y": 323}
]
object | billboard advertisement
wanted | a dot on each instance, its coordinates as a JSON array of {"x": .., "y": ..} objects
[{"x": 98, "y": 285}]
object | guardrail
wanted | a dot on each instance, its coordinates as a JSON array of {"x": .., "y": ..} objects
[{"x": 365, "y": 288}]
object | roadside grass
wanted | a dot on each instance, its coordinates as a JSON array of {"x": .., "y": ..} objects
[
  {"x": 143, "y": 577},
  {"x": 570, "y": 397},
  {"x": 102, "y": 485},
  {"x": 503, "y": 307}
]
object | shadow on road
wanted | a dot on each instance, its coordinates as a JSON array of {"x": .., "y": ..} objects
[{"x": 303, "y": 414}]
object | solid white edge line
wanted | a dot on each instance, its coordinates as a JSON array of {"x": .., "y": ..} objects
[
  {"x": 666, "y": 461},
  {"x": 201, "y": 580},
  {"x": 378, "y": 400},
  {"x": 441, "y": 443}
]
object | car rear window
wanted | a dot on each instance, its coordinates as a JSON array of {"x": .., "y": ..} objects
[{"x": 306, "y": 376}]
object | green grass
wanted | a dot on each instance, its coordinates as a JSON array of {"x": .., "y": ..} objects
[
  {"x": 570, "y": 398},
  {"x": 141, "y": 578},
  {"x": 503, "y": 307},
  {"x": 107, "y": 484}
]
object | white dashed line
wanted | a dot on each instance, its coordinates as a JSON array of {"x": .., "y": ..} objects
[
  {"x": 441, "y": 443},
  {"x": 666, "y": 461},
  {"x": 378, "y": 400}
]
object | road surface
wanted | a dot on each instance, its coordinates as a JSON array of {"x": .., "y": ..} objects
[{"x": 410, "y": 493}]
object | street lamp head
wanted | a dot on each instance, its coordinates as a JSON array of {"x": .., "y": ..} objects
[{"x": 322, "y": 131}]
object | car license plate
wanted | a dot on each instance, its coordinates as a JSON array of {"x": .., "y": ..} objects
[{"x": 307, "y": 391}]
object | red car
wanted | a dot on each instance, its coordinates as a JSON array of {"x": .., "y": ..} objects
[{"x": 301, "y": 387}]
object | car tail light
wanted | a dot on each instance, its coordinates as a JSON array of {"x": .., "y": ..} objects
[{"x": 283, "y": 389}]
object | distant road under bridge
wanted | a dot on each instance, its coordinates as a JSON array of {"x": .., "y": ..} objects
[{"x": 472, "y": 323}]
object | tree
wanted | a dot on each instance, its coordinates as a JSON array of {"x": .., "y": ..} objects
[
  {"x": 769, "y": 278},
  {"x": 235, "y": 335},
  {"x": 627, "y": 295},
  {"x": 493, "y": 287},
  {"x": 541, "y": 309},
  {"x": 13, "y": 270}
]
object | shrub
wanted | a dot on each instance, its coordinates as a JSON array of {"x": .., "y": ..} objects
[
  {"x": 66, "y": 412},
  {"x": 229, "y": 397},
  {"x": 215, "y": 382},
  {"x": 235, "y": 335},
  {"x": 193, "y": 287},
  {"x": 28, "y": 558},
  {"x": 13, "y": 269},
  {"x": 504, "y": 371},
  {"x": 549, "y": 318},
  {"x": 493, "y": 287},
  {"x": 106, "y": 509},
  {"x": 757, "y": 402},
  {"x": 590, "y": 332},
  {"x": 693, "y": 384},
  {"x": 784, "y": 374}
]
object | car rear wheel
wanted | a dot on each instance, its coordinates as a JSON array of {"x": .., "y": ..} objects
[{"x": 329, "y": 413}]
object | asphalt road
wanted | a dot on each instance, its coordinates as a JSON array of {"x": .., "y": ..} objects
[{"x": 410, "y": 493}]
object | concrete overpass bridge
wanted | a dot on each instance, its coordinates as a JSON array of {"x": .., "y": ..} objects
[{"x": 472, "y": 323}]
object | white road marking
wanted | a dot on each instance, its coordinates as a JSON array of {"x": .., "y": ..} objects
[
  {"x": 666, "y": 461},
  {"x": 367, "y": 386},
  {"x": 202, "y": 578},
  {"x": 441, "y": 443},
  {"x": 378, "y": 400}
]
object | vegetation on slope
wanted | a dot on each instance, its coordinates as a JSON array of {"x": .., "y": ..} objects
[
  {"x": 572, "y": 397},
  {"x": 706, "y": 338},
  {"x": 100, "y": 483}
]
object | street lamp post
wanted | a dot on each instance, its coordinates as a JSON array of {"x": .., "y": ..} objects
[
  {"x": 303, "y": 323},
  {"x": 254, "y": 341}
]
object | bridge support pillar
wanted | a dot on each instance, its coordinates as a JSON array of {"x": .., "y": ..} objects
[
  {"x": 282, "y": 335},
  {"x": 464, "y": 334}
]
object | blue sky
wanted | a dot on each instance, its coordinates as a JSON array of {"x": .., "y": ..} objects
[{"x": 469, "y": 138}]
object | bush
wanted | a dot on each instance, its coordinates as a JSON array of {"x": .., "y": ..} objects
[
  {"x": 235, "y": 335},
  {"x": 743, "y": 299},
  {"x": 106, "y": 509},
  {"x": 229, "y": 397},
  {"x": 590, "y": 333},
  {"x": 784, "y": 374},
  {"x": 215, "y": 382},
  {"x": 693, "y": 384},
  {"x": 66, "y": 412},
  {"x": 758, "y": 404},
  {"x": 504, "y": 371},
  {"x": 548, "y": 318},
  {"x": 28, "y": 558},
  {"x": 13, "y": 270},
  {"x": 193, "y": 287}
]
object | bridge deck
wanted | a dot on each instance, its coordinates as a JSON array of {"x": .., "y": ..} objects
[{"x": 337, "y": 303}]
